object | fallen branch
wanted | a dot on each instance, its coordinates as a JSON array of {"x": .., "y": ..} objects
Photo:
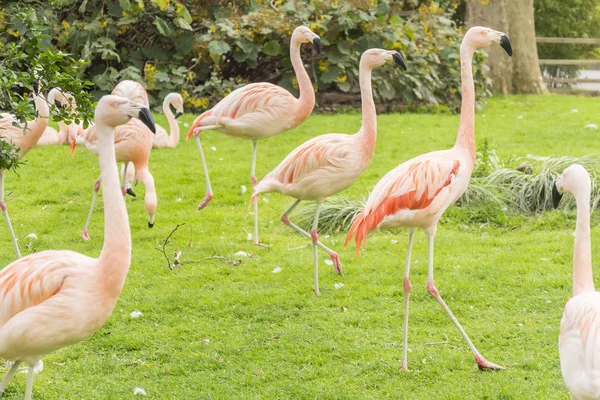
[
  {"x": 176, "y": 254},
  {"x": 229, "y": 261}
]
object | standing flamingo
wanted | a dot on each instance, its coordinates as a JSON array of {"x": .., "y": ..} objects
[
  {"x": 66, "y": 133},
  {"x": 11, "y": 132},
  {"x": 55, "y": 298},
  {"x": 260, "y": 110},
  {"x": 416, "y": 193},
  {"x": 579, "y": 328},
  {"x": 162, "y": 137},
  {"x": 329, "y": 163}
]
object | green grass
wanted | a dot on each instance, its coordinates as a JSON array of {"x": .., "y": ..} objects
[{"x": 269, "y": 336}]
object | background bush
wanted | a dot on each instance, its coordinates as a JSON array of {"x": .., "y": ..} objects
[{"x": 206, "y": 49}]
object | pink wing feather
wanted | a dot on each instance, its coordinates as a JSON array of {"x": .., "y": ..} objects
[{"x": 413, "y": 185}]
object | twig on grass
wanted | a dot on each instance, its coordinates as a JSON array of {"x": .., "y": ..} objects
[
  {"x": 229, "y": 261},
  {"x": 177, "y": 254},
  {"x": 439, "y": 343}
]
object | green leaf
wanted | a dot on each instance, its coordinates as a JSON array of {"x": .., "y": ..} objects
[
  {"x": 344, "y": 48},
  {"x": 162, "y": 4},
  {"x": 162, "y": 26},
  {"x": 343, "y": 86},
  {"x": 218, "y": 47},
  {"x": 180, "y": 22},
  {"x": 330, "y": 74},
  {"x": 125, "y": 5},
  {"x": 185, "y": 14},
  {"x": 271, "y": 48}
]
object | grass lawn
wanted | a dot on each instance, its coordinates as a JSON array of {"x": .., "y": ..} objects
[{"x": 214, "y": 330}]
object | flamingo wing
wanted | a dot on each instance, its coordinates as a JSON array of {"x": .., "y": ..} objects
[
  {"x": 262, "y": 98},
  {"x": 418, "y": 184},
  {"x": 30, "y": 281}
]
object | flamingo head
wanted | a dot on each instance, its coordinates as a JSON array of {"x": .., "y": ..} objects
[
  {"x": 480, "y": 36},
  {"x": 175, "y": 101},
  {"x": 304, "y": 35},
  {"x": 116, "y": 110},
  {"x": 575, "y": 180},
  {"x": 374, "y": 58}
]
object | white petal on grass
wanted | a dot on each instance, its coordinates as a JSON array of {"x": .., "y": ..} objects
[
  {"x": 520, "y": 117},
  {"x": 178, "y": 199},
  {"x": 243, "y": 189},
  {"x": 206, "y": 340},
  {"x": 328, "y": 262},
  {"x": 213, "y": 148},
  {"x": 39, "y": 367},
  {"x": 249, "y": 236},
  {"x": 241, "y": 254},
  {"x": 136, "y": 314},
  {"x": 393, "y": 241},
  {"x": 32, "y": 236},
  {"x": 277, "y": 270},
  {"x": 574, "y": 110},
  {"x": 139, "y": 391},
  {"x": 338, "y": 285},
  {"x": 591, "y": 126},
  {"x": 265, "y": 199}
]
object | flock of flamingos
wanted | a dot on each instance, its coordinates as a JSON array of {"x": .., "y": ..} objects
[{"x": 55, "y": 298}]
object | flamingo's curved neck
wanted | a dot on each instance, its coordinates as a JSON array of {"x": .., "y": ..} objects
[
  {"x": 466, "y": 129},
  {"x": 115, "y": 257},
  {"x": 173, "y": 126},
  {"x": 583, "y": 280},
  {"x": 368, "y": 130},
  {"x": 306, "y": 101},
  {"x": 36, "y": 128}
]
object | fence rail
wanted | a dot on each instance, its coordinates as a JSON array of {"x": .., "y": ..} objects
[{"x": 594, "y": 64}]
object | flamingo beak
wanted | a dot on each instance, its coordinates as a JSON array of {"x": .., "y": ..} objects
[
  {"x": 399, "y": 60},
  {"x": 505, "y": 44},
  {"x": 146, "y": 117},
  {"x": 178, "y": 114},
  {"x": 317, "y": 43},
  {"x": 556, "y": 196}
]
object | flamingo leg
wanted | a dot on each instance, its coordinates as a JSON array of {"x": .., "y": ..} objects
[
  {"x": 209, "y": 192},
  {"x": 254, "y": 182},
  {"x": 84, "y": 233},
  {"x": 5, "y": 212},
  {"x": 407, "y": 287},
  {"x": 315, "y": 238},
  {"x": 124, "y": 183},
  {"x": 482, "y": 363},
  {"x": 334, "y": 256},
  {"x": 9, "y": 376},
  {"x": 29, "y": 387}
]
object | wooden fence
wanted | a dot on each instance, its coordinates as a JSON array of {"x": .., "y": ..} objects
[{"x": 590, "y": 64}]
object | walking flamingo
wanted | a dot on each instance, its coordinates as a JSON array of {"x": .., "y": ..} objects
[
  {"x": 162, "y": 137},
  {"x": 11, "y": 132},
  {"x": 133, "y": 143},
  {"x": 330, "y": 163},
  {"x": 579, "y": 329},
  {"x": 66, "y": 133},
  {"x": 55, "y": 298},
  {"x": 260, "y": 110},
  {"x": 417, "y": 192}
]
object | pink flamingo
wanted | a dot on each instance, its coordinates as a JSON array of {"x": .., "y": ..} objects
[
  {"x": 328, "y": 164},
  {"x": 417, "y": 192},
  {"x": 133, "y": 143},
  {"x": 579, "y": 329},
  {"x": 66, "y": 133},
  {"x": 24, "y": 142},
  {"x": 260, "y": 110},
  {"x": 162, "y": 137},
  {"x": 55, "y": 298}
]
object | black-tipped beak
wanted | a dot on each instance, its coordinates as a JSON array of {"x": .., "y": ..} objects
[
  {"x": 150, "y": 224},
  {"x": 58, "y": 104},
  {"x": 146, "y": 117},
  {"x": 36, "y": 87},
  {"x": 178, "y": 114},
  {"x": 131, "y": 192},
  {"x": 399, "y": 60},
  {"x": 505, "y": 44},
  {"x": 556, "y": 196},
  {"x": 317, "y": 44}
]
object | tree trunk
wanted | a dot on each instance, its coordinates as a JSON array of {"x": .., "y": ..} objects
[
  {"x": 493, "y": 14},
  {"x": 521, "y": 73},
  {"x": 527, "y": 77}
]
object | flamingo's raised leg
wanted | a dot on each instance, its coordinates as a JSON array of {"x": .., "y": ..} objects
[
  {"x": 209, "y": 193},
  {"x": 9, "y": 376},
  {"x": 84, "y": 232},
  {"x": 5, "y": 212}
]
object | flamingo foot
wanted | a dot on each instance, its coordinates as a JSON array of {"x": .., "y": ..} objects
[
  {"x": 85, "y": 235},
  {"x": 336, "y": 262},
  {"x": 404, "y": 367},
  {"x": 253, "y": 180},
  {"x": 266, "y": 246},
  {"x": 131, "y": 192},
  {"x": 483, "y": 364},
  {"x": 205, "y": 200}
]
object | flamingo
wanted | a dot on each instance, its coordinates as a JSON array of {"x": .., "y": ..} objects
[
  {"x": 130, "y": 146},
  {"x": 330, "y": 163},
  {"x": 55, "y": 298},
  {"x": 579, "y": 329},
  {"x": 417, "y": 192},
  {"x": 66, "y": 133},
  {"x": 11, "y": 132},
  {"x": 258, "y": 111},
  {"x": 162, "y": 137}
]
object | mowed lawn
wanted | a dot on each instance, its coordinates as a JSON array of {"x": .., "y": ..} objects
[{"x": 213, "y": 330}]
